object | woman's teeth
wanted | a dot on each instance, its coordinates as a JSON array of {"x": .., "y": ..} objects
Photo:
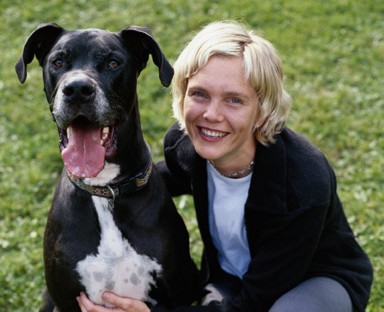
[{"x": 211, "y": 133}]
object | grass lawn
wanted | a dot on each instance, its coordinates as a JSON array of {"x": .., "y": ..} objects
[{"x": 333, "y": 56}]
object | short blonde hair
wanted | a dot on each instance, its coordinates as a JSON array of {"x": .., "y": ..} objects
[{"x": 262, "y": 70}]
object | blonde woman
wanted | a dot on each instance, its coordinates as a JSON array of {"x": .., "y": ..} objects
[{"x": 274, "y": 231}]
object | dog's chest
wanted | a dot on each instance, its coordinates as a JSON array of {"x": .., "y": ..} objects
[{"x": 116, "y": 266}]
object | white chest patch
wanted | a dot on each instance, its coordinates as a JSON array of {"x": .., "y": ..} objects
[{"x": 116, "y": 266}]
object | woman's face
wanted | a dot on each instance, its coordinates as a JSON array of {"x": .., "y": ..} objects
[{"x": 220, "y": 111}]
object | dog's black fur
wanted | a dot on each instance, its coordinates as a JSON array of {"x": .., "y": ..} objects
[{"x": 78, "y": 66}]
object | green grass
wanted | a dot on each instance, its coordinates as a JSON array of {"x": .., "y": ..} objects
[{"x": 333, "y": 55}]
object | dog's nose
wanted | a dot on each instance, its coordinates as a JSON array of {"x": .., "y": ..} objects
[{"x": 79, "y": 91}]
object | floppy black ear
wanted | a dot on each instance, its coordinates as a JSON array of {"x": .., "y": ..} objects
[
  {"x": 38, "y": 43},
  {"x": 141, "y": 41}
]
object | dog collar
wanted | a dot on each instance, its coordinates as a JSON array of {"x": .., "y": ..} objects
[{"x": 112, "y": 191}]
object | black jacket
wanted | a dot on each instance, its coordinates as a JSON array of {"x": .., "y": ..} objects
[{"x": 296, "y": 226}]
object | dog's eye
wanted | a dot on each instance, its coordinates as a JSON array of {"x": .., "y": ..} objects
[
  {"x": 113, "y": 64},
  {"x": 58, "y": 63}
]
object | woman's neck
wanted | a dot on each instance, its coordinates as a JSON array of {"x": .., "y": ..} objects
[{"x": 237, "y": 167}]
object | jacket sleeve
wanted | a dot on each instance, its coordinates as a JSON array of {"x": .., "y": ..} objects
[
  {"x": 175, "y": 185},
  {"x": 172, "y": 169}
]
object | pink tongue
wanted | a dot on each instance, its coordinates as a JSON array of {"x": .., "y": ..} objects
[{"x": 84, "y": 155}]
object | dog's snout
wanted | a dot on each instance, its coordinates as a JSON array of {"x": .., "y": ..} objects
[{"x": 79, "y": 91}]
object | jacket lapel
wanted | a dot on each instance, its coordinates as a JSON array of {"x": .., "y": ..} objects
[{"x": 267, "y": 191}]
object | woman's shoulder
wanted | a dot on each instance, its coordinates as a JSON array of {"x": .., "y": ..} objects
[
  {"x": 308, "y": 170},
  {"x": 173, "y": 135},
  {"x": 177, "y": 140},
  {"x": 298, "y": 146},
  {"x": 300, "y": 152},
  {"x": 178, "y": 148}
]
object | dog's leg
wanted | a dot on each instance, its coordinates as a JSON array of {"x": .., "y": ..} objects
[{"x": 48, "y": 305}]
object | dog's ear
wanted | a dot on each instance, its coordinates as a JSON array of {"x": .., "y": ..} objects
[
  {"x": 141, "y": 41},
  {"x": 38, "y": 43}
]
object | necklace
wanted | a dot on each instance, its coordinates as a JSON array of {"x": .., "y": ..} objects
[{"x": 237, "y": 173}]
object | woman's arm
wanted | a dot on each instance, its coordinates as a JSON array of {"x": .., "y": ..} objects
[{"x": 175, "y": 185}]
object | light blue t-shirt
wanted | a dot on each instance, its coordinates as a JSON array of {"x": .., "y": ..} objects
[{"x": 227, "y": 198}]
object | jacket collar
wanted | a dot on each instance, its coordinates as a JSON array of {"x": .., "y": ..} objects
[{"x": 267, "y": 191}]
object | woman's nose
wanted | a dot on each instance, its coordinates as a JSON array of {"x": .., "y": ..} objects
[{"x": 213, "y": 112}]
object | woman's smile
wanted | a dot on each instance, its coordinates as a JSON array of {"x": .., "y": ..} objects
[{"x": 210, "y": 134}]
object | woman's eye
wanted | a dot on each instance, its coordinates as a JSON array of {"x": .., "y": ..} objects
[
  {"x": 236, "y": 101},
  {"x": 198, "y": 94},
  {"x": 113, "y": 64},
  {"x": 58, "y": 63}
]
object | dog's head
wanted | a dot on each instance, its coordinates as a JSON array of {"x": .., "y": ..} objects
[{"x": 90, "y": 84}]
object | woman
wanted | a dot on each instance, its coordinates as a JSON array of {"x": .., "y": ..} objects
[{"x": 274, "y": 231}]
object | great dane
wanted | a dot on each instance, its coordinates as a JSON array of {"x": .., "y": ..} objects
[{"x": 112, "y": 225}]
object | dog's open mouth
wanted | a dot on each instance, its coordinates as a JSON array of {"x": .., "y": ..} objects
[{"x": 84, "y": 147}]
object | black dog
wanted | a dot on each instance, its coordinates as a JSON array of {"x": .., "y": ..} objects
[{"x": 112, "y": 225}]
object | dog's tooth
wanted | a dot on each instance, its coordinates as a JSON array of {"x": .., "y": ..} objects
[
  {"x": 69, "y": 132},
  {"x": 104, "y": 134},
  {"x": 105, "y": 130}
]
